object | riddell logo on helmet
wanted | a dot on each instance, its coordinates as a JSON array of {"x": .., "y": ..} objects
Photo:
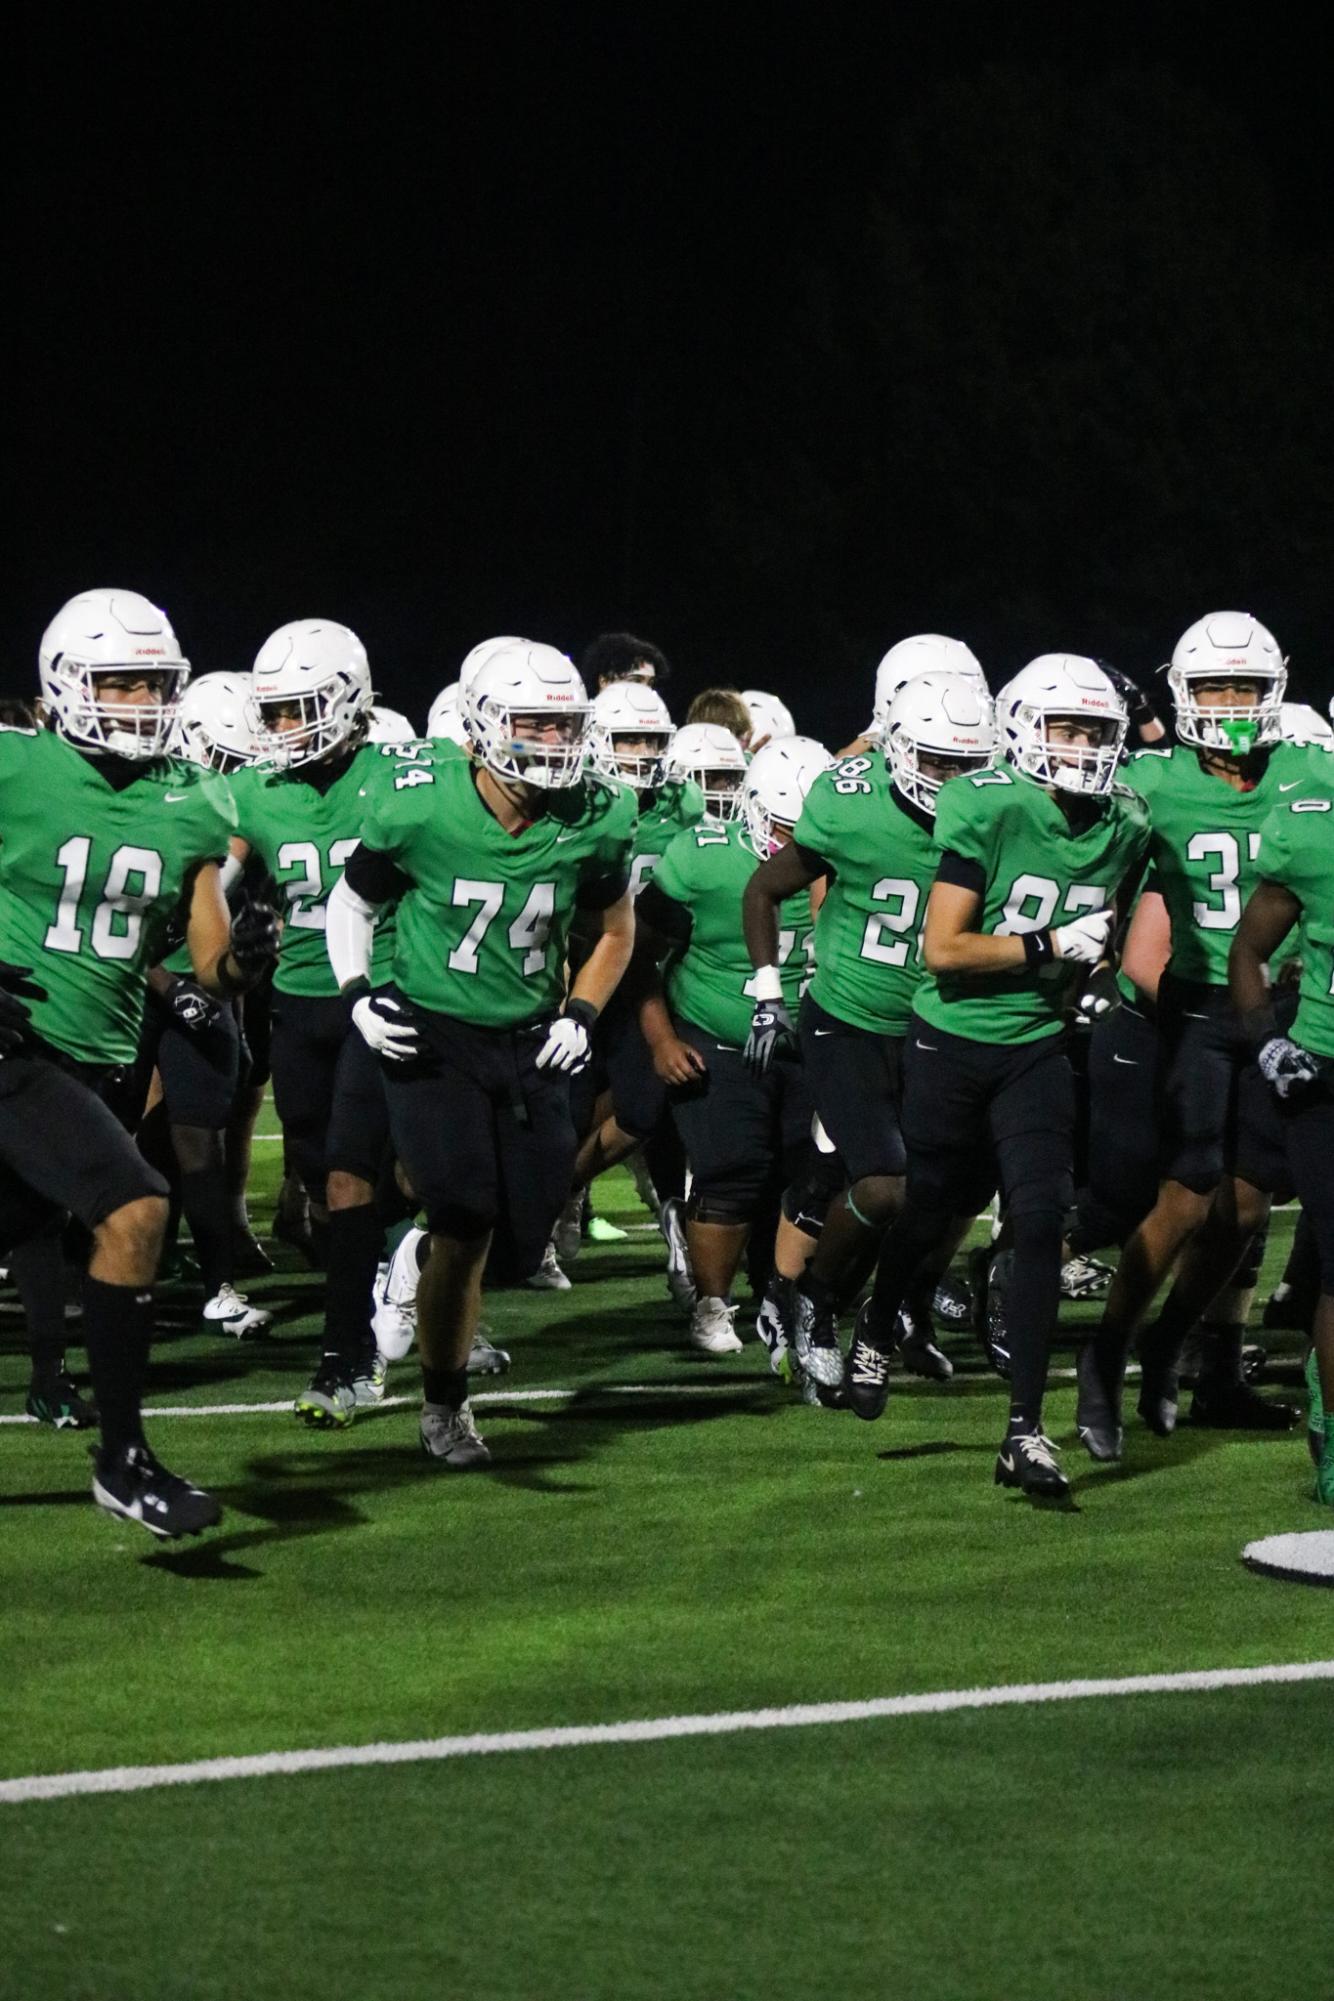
[{"x": 156, "y": 652}]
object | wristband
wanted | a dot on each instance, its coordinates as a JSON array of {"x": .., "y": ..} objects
[
  {"x": 581, "y": 1011},
  {"x": 1038, "y": 948},
  {"x": 767, "y": 984}
]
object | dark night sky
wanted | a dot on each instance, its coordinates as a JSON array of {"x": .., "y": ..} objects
[{"x": 773, "y": 346}]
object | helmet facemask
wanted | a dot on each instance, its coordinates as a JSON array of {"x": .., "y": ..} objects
[
  {"x": 327, "y": 716},
  {"x": 135, "y": 731},
  {"x": 904, "y": 755},
  {"x": 721, "y": 787},
  {"x": 506, "y": 744},
  {"x": 645, "y": 770},
  {"x": 1088, "y": 768},
  {"x": 1232, "y": 728}
]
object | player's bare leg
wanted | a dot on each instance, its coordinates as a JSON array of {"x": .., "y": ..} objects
[{"x": 715, "y": 1256}]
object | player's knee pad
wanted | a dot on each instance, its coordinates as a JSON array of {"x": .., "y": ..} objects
[{"x": 721, "y": 1203}]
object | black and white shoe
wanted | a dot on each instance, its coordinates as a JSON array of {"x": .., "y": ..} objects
[
  {"x": 773, "y": 1324},
  {"x": 1159, "y": 1382},
  {"x": 59, "y": 1402},
  {"x": 993, "y": 1327},
  {"x": 1097, "y": 1411},
  {"x": 866, "y": 1379},
  {"x": 1030, "y": 1461},
  {"x": 917, "y": 1346},
  {"x": 815, "y": 1338},
  {"x": 136, "y": 1486}
]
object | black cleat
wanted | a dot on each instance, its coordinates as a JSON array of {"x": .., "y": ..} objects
[
  {"x": 866, "y": 1382},
  {"x": 1159, "y": 1384},
  {"x": 329, "y": 1401},
  {"x": 138, "y": 1488},
  {"x": 249, "y": 1257},
  {"x": 1237, "y": 1407},
  {"x": 61, "y": 1404},
  {"x": 917, "y": 1344},
  {"x": 815, "y": 1339},
  {"x": 993, "y": 1330},
  {"x": 1097, "y": 1411},
  {"x": 1029, "y": 1460}
]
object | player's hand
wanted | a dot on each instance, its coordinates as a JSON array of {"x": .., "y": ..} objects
[
  {"x": 677, "y": 1062},
  {"x": 1085, "y": 941},
  {"x": 771, "y": 1035},
  {"x": 568, "y": 1046},
  {"x": 1139, "y": 709},
  {"x": 191, "y": 1006},
  {"x": 256, "y": 935},
  {"x": 1098, "y": 996},
  {"x": 1287, "y": 1068},
  {"x": 383, "y": 1024},
  {"x": 16, "y": 986}
]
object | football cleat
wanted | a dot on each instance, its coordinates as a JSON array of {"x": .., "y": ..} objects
[
  {"x": 1159, "y": 1382},
  {"x": 644, "y": 1187},
  {"x": 952, "y": 1301},
  {"x": 1084, "y": 1278},
  {"x": 713, "y": 1327},
  {"x": 993, "y": 1331},
  {"x": 394, "y": 1316},
  {"x": 773, "y": 1324},
  {"x": 61, "y": 1404},
  {"x": 1029, "y": 1460},
  {"x": 680, "y": 1278},
  {"x": 866, "y": 1378},
  {"x": 368, "y": 1380},
  {"x": 1237, "y": 1407},
  {"x": 568, "y": 1235},
  {"x": 451, "y": 1438},
  {"x": 548, "y": 1277},
  {"x": 917, "y": 1347},
  {"x": 230, "y": 1312},
  {"x": 484, "y": 1359},
  {"x": 249, "y": 1257},
  {"x": 291, "y": 1220},
  {"x": 329, "y": 1402},
  {"x": 1097, "y": 1413},
  {"x": 136, "y": 1486},
  {"x": 815, "y": 1339},
  {"x": 1253, "y": 1360}
]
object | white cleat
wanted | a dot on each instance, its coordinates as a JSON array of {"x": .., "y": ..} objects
[
  {"x": 230, "y": 1312},
  {"x": 451, "y": 1438},
  {"x": 484, "y": 1358},
  {"x": 568, "y": 1235},
  {"x": 680, "y": 1278},
  {"x": 713, "y": 1328},
  {"x": 394, "y": 1319},
  {"x": 548, "y": 1277},
  {"x": 368, "y": 1379}
]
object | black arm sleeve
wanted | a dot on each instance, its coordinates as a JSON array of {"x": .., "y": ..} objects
[
  {"x": 814, "y": 864},
  {"x": 375, "y": 877},
  {"x": 599, "y": 892},
  {"x": 962, "y": 872},
  {"x": 663, "y": 914}
]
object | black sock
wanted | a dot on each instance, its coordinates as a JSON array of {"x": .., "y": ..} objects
[
  {"x": 1220, "y": 1354},
  {"x": 446, "y": 1386},
  {"x": 1032, "y": 1301},
  {"x": 207, "y": 1209},
  {"x": 117, "y": 1331},
  {"x": 355, "y": 1242},
  {"x": 913, "y": 1235},
  {"x": 39, "y": 1273}
]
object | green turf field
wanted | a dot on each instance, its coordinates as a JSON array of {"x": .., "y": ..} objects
[{"x": 708, "y": 1545}]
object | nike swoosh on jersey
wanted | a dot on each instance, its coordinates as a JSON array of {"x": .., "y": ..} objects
[
  {"x": 174, "y": 798},
  {"x": 826, "y": 1031},
  {"x": 1125, "y": 1059},
  {"x": 1291, "y": 785},
  {"x": 931, "y": 1048}
]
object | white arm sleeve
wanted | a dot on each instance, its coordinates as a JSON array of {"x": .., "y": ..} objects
[
  {"x": 349, "y": 932},
  {"x": 231, "y": 874}
]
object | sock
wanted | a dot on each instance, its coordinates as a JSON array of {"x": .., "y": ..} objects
[
  {"x": 1220, "y": 1354},
  {"x": 117, "y": 1331},
  {"x": 355, "y": 1243},
  {"x": 445, "y": 1386},
  {"x": 911, "y": 1238},
  {"x": 1032, "y": 1301},
  {"x": 208, "y": 1213},
  {"x": 39, "y": 1273}
]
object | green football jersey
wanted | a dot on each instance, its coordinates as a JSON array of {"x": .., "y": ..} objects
[
  {"x": 482, "y": 930},
  {"x": 712, "y": 982},
  {"x": 396, "y": 758},
  {"x": 1297, "y": 851},
  {"x": 868, "y": 951},
  {"x": 1039, "y": 873},
  {"x": 671, "y": 809},
  {"x": 304, "y": 837},
  {"x": 1205, "y": 841},
  {"x": 91, "y": 878}
]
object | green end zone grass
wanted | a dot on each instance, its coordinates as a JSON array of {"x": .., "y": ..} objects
[{"x": 710, "y": 1546}]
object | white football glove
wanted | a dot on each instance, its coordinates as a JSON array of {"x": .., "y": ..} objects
[
  {"x": 567, "y": 1046},
  {"x": 394, "y": 1039},
  {"x": 1085, "y": 941}
]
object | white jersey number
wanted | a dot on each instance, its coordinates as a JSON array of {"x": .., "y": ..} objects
[{"x": 132, "y": 886}]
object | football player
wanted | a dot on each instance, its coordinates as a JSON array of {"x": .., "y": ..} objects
[
  {"x": 1036, "y": 856},
  {"x": 619, "y": 656},
  {"x": 103, "y": 839},
  {"x": 1296, "y": 888},
  {"x": 769, "y": 718},
  {"x": 922, "y": 653},
  {"x": 742, "y": 1124},
  {"x": 1221, "y": 1147},
  {"x": 489, "y": 858},
  {"x": 868, "y": 829}
]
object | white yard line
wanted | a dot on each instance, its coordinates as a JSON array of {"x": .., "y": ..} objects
[
  {"x": 391, "y": 1403},
  {"x": 271, "y": 1764}
]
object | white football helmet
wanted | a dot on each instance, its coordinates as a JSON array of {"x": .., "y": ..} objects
[
  {"x": 445, "y": 705},
  {"x": 923, "y": 653},
  {"x": 322, "y": 666},
  {"x": 528, "y": 681},
  {"x": 775, "y": 787},
  {"x": 1228, "y": 646},
  {"x": 1301, "y": 724},
  {"x": 713, "y": 757},
  {"x": 946, "y": 719},
  {"x": 768, "y": 716},
  {"x": 476, "y": 658},
  {"x": 1057, "y": 687},
  {"x": 388, "y": 726},
  {"x": 110, "y": 632},
  {"x": 633, "y": 710},
  {"x": 215, "y": 723}
]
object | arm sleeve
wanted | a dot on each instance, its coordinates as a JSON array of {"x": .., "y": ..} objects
[
  {"x": 962, "y": 871},
  {"x": 375, "y": 877},
  {"x": 663, "y": 914},
  {"x": 349, "y": 933},
  {"x": 601, "y": 888}
]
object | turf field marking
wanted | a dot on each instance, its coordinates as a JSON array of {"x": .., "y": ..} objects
[
  {"x": 272, "y": 1764},
  {"x": 392, "y": 1403}
]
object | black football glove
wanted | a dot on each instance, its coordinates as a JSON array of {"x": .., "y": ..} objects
[
  {"x": 16, "y": 986},
  {"x": 1138, "y": 706},
  {"x": 255, "y": 939},
  {"x": 1287, "y": 1068},
  {"x": 1096, "y": 997},
  {"x": 191, "y": 1006},
  {"x": 771, "y": 1035}
]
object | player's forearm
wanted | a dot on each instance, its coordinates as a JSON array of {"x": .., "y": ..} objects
[
  {"x": 971, "y": 951},
  {"x": 655, "y": 1022},
  {"x": 1247, "y": 983},
  {"x": 605, "y": 966},
  {"x": 759, "y": 921}
]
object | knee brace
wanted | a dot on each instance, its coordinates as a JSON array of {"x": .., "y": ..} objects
[{"x": 719, "y": 1205}]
